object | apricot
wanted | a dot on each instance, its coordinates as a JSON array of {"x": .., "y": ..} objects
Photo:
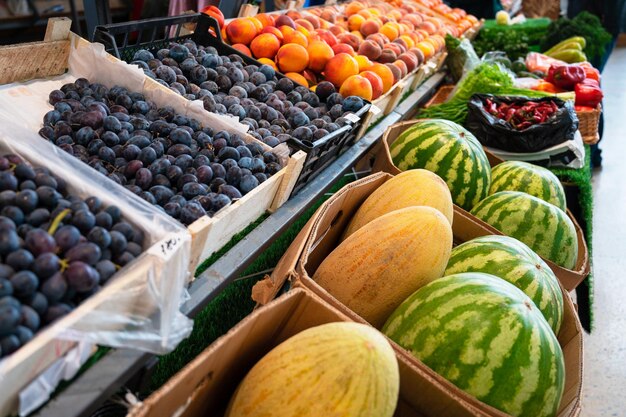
[
  {"x": 269, "y": 62},
  {"x": 241, "y": 31},
  {"x": 265, "y": 46},
  {"x": 356, "y": 85},
  {"x": 292, "y": 57},
  {"x": 370, "y": 49},
  {"x": 284, "y": 20},
  {"x": 375, "y": 81},
  {"x": 385, "y": 74},
  {"x": 410, "y": 60},
  {"x": 319, "y": 54},
  {"x": 350, "y": 39},
  {"x": 297, "y": 38},
  {"x": 390, "y": 31},
  {"x": 339, "y": 68},
  {"x": 397, "y": 73},
  {"x": 243, "y": 49},
  {"x": 353, "y": 8},
  {"x": 305, "y": 24},
  {"x": 355, "y": 21},
  {"x": 343, "y": 48},
  {"x": 299, "y": 78},
  {"x": 326, "y": 36},
  {"x": 363, "y": 61},
  {"x": 387, "y": 56},
  {"x": 265, "y": 19},
  {"x": 370, "y": 27},
  {"x": 403, "y": 68}
]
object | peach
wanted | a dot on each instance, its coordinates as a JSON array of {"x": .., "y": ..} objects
[
  {"x": 243, "y": 49},
  {"x": 336, "y": 30},
  {"x": 397, "y": 72},
  {"x": 319, "y": 54},
  {"x": 418, "y": 54},
  {"x": 410, "y": 60},
  {"x": 387, "y": 56},
  {"x": 407, "y": 40},
  {"x": 303, "y": 31},
  {"x": 305, "y": 24},
  {"x": 299, "y": 78},
  {"x": 339, "y": 68},
  {"x": 265, "y": 46},
  {"x": 265, "y": 19},
  {"x": 257, "y": 23},
  {"x": 343, "y": 48},
  {"x": 363, "y": 61},
  {"x": 379, "y": 38},
  {"x": 375, "y": 81},
  {"x": 329, "y": 16},
  {"x": 403, "y": 68},
  {"x": 274, "y": 31},
  {"x": 284, "y": 20},
  {"x": 427, "y": 48},
  {"x": 366, "y": 14},
  {"x": 395, "y": 47},
  {"x": 355, "y": 22},
  {"x": 269, "y": 62},
  {"x": 428, "y": 27},
  {"x": 350, "y": 39},
  {"x": 310, "y": 77},
  {"x": 402, "y": 43},
  {"x": 327, "y": 36},
  {"x": 286, "y": 30},
  {"x": 358, "y": 35},
  {"x": 385, "y": 74},
  {"x": 294, "y": 14},
  {"x": 296, "y": 37},
  {"x": 353, "y": 8},
  {"x": 414, "y": 18},
  {"x": 314, "y": 21},
  {"x": 356, "y": 85},
  {"x": 370, "y": 27},
  {"x": 292, "y": 58},
  {"x": 370, "y": 49},
  {"x": 241, "y": 31},
  {"x": 390, "y": 31}
]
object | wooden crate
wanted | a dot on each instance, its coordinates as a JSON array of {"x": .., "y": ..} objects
[{"x": 209, "y": 234}]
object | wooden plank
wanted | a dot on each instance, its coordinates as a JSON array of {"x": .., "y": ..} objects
[
  {"x": 293, "y": 169},
  {"x": 33, "y": 60},
  {"x": 248, "y": 10},
  {"x": 58, "y": 29}
]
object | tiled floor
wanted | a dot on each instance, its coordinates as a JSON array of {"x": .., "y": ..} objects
[{"x": 605, "y": 349}]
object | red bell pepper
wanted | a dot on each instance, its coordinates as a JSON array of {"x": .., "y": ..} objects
[
  {"x": 588, "y": 93},
  {"x": 567, "y": 76}
]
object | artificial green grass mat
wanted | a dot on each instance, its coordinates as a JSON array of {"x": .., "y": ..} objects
[
  {"x": 581, "y": 180},
  {"x": 234, "y": 303}
]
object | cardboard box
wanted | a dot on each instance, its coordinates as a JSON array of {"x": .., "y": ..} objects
[
  {"x": 570, "y": 278},
  {"x": 204, "y": 387},
  {"x": 321, "y": 235}
]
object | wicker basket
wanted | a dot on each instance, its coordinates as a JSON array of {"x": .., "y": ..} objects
[{"x": 588, "y": 125}]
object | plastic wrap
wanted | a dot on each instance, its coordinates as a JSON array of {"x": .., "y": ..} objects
[
  {"x": 138, "y": 308},
  {"x": 498, "y": 133}
]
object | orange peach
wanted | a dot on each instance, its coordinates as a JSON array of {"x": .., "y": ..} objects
[
  {"x": 336, "y": 30},
  {"x": 327, "y": 36},
  {"x": 314, "y": 21},
  {"x": 390, "y": 31},
  {"x": 319, "y": 54},
  {"x": 427, "y": 49},
  {"x": 350, "y": 39},
  {"x": 387, "y": 56},
  {"x": 375, "y": 81},
  {"x": 243, "y": 49},
  {"x": 294, "y": 14},
  {"x": 274, "y": 31},
  {"x": 292, "y": 58},
  {"x": 366, "y": 14},
  {"x": 403, "y": 68},
  {"x": 370, "y": 49},
  {"x": 269, "y": 62},
  {"x": 343, "y": 48},
  {"x": 339, "y": 68},
  {"x": 286, "y": 30},
  {"x": 397, "y": 72},
  {"x": 241, "y": 31},
  {"x": 296, "y": 37},
  {"x": 299, "y": 78},
  {"x": 355, "y": 22},
  {"x": 305, "y": 24},
  {"x": 265, "y": 19},
  {"x": 265, "y": 46},
  {"x": 385, "y": 75},
  {"x": 410, "y": 60},
  {"x": 353, "y": 8},
  {"x": 257, "y": 23},
  {"x": 363, "y": 61},
  {"x": 356, "y": 85},
  {"x": 284, "y": 20},
  {"x": 370, "y": 27}
]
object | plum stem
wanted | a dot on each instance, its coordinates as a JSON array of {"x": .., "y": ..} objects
[{"x": 57, "y": 220}]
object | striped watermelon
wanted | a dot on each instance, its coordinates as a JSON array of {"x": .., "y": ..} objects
[
  {"x": 530, "y": 179},
  {"x": 450, "y": 151},
  {"x": 516, "y": 263},
  {"x": 544, "y": 227},
  {"x": 486, "y": 337}
]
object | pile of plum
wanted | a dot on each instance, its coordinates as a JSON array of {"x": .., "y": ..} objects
[
  {"x": 167, "y": 159},
  {"x": 275, "y": 109},
  {"x": 56, "y": 249}
]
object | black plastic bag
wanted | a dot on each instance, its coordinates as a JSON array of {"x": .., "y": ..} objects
[{"x": 497, "y": 133}]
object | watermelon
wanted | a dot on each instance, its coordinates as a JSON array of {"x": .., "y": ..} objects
[
  {"x": 450, "y": 151},
  {"x": 488, "y": 338},
  {"x": 530, "y": 179},
  {"x": 544, "y": 227},
  {"x": 513, "y": 261}
]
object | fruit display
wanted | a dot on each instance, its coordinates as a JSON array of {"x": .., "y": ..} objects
[
  {"x": 308, "y": 375},
  {"x": 275, "y": 109},
  {"x": 56, "y": 249},
  {"x": 513, "y": 261},
  {"x": 544, "y": 227},
  {"x": 386, "y": 260},
  {"x": 451, "y": 152},
  {"x": 165, "y": 158},
  {"x": 528, "y": 178},
  {"x": 486, "y": 337}
]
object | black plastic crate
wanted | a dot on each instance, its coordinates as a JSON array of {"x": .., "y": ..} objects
[{"x": 124, "y": 39}]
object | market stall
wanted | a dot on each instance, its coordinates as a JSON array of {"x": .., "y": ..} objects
[{"x": 275, "y": 153}]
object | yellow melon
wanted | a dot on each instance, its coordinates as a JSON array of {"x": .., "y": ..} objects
[
  {"x": 381, "y": 264},
  {"x": 416, "y": 187},
  {"x": 336, "y": 369}
]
